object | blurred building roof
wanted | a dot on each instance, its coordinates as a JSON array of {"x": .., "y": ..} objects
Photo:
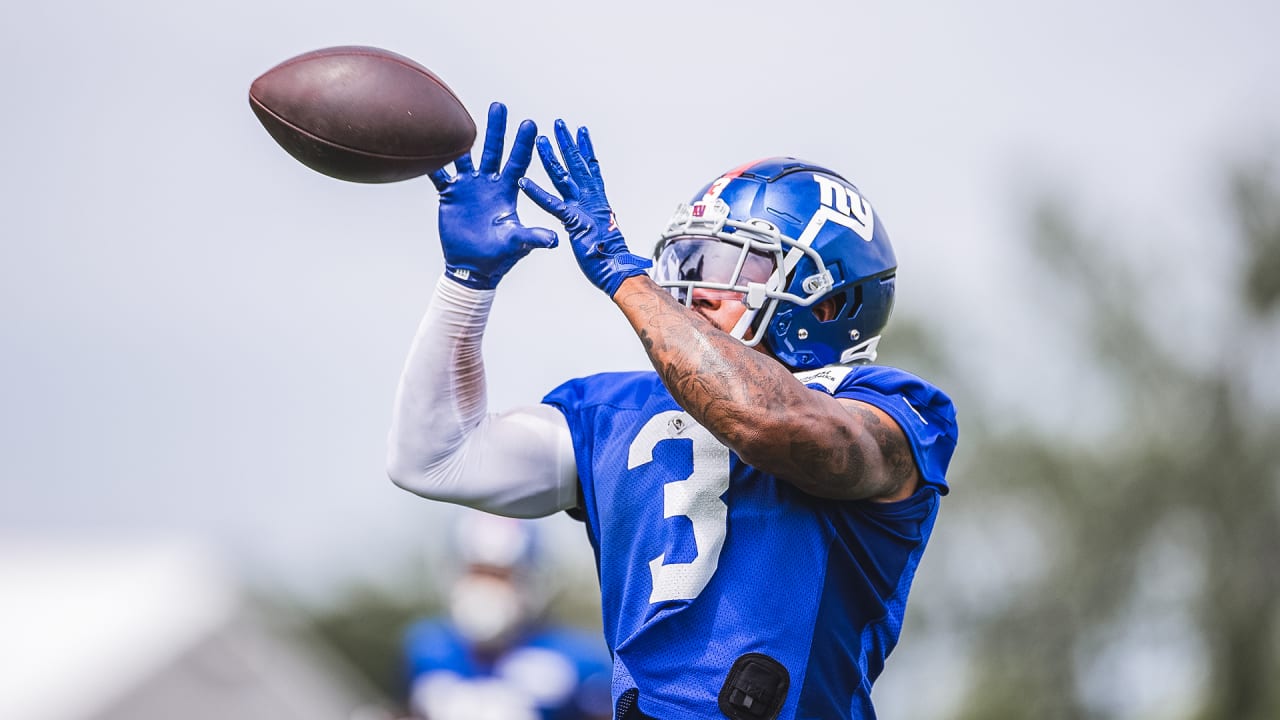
[{"x": 108, "y": 631}]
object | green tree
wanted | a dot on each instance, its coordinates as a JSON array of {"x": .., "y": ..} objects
[{"x": 1161, "y": 540}]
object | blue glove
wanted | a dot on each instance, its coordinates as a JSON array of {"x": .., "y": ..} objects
[
  {"x": 593, "y": 233},
  {"x": 481, "y": 236}
]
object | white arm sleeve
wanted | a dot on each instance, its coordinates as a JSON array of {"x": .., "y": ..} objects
[{"x": 443, "y": 445}]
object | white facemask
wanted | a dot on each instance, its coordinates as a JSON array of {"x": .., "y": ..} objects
[{"x": 486, "y": 610}]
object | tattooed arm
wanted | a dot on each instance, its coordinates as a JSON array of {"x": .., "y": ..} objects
[{"x": 827, "y": 447}]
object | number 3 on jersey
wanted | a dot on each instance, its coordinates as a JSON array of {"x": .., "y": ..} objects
[{"x": 696, "y": 497}]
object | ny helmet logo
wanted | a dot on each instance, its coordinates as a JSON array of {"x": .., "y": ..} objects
[{"x": 854, "y": 212}]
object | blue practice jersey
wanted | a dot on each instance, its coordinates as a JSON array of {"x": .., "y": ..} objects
[
  {"x": 553, "y": 673},
  {"x": 703, "y": 559}
]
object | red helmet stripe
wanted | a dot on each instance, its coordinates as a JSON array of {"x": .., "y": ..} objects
[{"x": 713, "y": 192}]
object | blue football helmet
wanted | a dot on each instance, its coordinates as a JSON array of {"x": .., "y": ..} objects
[{"x": 782, "y": 234}]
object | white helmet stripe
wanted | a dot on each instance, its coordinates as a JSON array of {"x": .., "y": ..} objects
[{"x": 811, "y": 231}]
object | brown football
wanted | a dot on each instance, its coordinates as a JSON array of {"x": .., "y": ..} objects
[{"x": 362, "y": 114}]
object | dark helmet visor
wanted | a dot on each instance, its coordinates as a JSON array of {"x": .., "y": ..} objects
[{"x": 703, "y": 262}]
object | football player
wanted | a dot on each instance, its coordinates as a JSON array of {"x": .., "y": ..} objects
[
  {"x": 759, "y": 501},
  {"x": 495, "y": 654}
]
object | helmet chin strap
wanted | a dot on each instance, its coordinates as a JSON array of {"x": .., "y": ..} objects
[
  {"x": 759, "y": 307},
  {"x": 740, "y": 328}
]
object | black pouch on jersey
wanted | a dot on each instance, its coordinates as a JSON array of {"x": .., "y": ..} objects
[
  {"x": 628, "y": 708},
  {"x": 755, "y": 689}
]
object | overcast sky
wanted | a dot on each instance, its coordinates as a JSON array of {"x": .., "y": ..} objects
[{"x": 200, "y": 336}]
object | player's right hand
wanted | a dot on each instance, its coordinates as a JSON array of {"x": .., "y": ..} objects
[{"x": 480, "y": 233}]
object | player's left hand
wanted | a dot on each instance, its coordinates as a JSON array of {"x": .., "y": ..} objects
[
  {"x": 597, "y": 242},
  {"x": 480, "y": 233}
]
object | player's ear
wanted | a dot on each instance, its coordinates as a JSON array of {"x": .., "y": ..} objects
[{"x": 827, "y": 308}]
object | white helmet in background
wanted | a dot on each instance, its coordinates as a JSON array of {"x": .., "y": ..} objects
[{"x": 497, "y": 592}]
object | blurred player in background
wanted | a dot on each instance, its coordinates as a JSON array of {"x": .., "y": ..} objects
[
  {"x": 757, "y": 503},
  {"x": 495, "y": 656}
]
